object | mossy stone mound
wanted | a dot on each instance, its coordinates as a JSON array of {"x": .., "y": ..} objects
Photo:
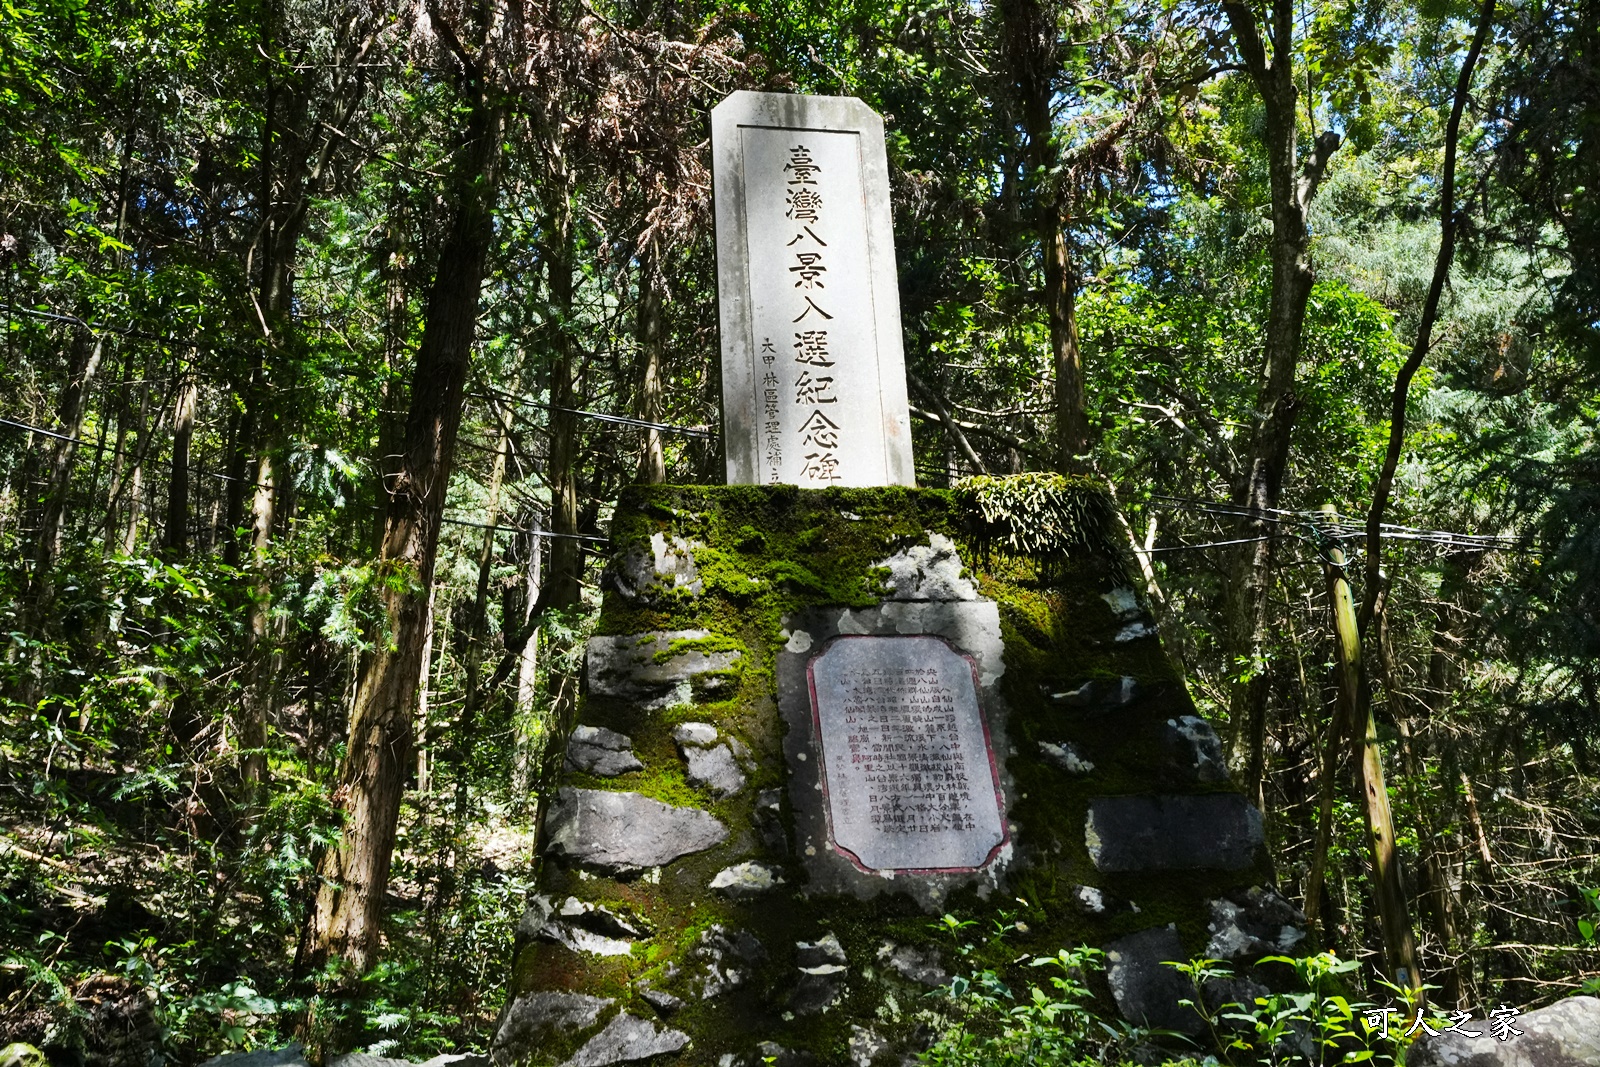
[{"x": 703, "y": 914}]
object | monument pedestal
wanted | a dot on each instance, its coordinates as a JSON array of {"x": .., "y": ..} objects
[{"x": 815, "y": 722}]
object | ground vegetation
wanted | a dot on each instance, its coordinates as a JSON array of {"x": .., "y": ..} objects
[{"x": 332, "y": 332}]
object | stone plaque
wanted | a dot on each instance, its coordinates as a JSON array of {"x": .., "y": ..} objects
[
  {"x": 813, "y": 372},
  {"x": 908, "y": 773}
]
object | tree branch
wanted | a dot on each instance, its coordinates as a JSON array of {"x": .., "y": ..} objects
[
  {"x": 1247, "y": 38},
  {"x": 949, "y": 423},
  {"x": 1327, "y": 144},
  {"x": 1448, "y": 222}
]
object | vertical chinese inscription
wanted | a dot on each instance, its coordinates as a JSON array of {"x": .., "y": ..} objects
[
  {"x": 907, "y": 768},
  {"x": 813, "y": 373}
]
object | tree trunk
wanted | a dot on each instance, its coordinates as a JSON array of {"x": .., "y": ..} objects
[
  {"x": 1031, "y": 43},
  {"x": 652, "y": 462},
  {"x": 175, "y": 539},
  {"x": 477, "y": 630},
  {"x": 566, "y": 552},
  {"x": 523, "y": 725},
  {"x": 1423, "y": 342},
  {"x": 1259, "y": 484},
  {"x": 354, "y": 874},
  {"x": 1355, "y": 708},
  {"x": 424, "y": 680},
  {"x": 69, "y": 418},
  {"x": 257, "y": 705}
]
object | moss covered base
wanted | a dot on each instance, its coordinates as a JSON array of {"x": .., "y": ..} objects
[{"x": 758, "y": 939}]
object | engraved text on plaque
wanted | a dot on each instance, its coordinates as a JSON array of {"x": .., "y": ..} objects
[{"x": 907, "y": 768}]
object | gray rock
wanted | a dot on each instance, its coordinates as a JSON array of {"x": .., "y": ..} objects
[
  {"x": 1247, "y": 924},
  {"x": 1091, "y": 900},
  {"x": 1098, "y": 694},
  {"x": 1124, "y": 604},
  {"x": 724, "y": 960},
  {"x": 769, "y": 821},
  {"x": 865, "y": 1046},
  {"x": 815, "y": 993},
  {"x": 292, "y": 1055},
  {"x": 714, "y": 769},
  {"x": 822, "y": 965},
  {"x": 625, "y": 833},
  {"x": 534, "y": 917},
  {"x": 699, "y": 734},
  {"x": 626, "y": 667},
  {"x": 1565, "y": 1034},
  {"x": 918, "y": 965},
  {"x": 1135, "y": 630},
  {"x": 927, "y": 572},
  {"x": 1067, "y": 757},
  {"x": 625, "y": 1039},
  {"x": 666, "y": 567},
  {"x": 535, "y": 1018},
  {"x": 603, "y": 920},
  {"x": 588, "y": 942},
  {"x": 825, "y": 951},
  {"x": 748, "y": 879},
  {"x": 606, "y": 753},
  {"x": 1147, "y": 992},
  {"x": 1216, "y": 831},
  {"x": 659, "y": 999},
  {"x": 1194, "y": 750}
]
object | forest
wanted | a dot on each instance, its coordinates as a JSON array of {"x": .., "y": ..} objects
[{"x": 332, "y": 332}]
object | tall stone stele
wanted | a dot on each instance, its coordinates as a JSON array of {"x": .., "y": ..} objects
[{"x": 824, "y": 709}]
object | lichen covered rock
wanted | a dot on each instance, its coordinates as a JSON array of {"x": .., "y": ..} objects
[{"x": 625, "y": 833}]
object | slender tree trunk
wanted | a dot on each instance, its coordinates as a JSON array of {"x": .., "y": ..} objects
[
  {"x": 1423, "y": 342},
  {"x": 566, "y": 552},
  {"x": 1031, "y": 48},
  {"x": 1061, "y": 297},
  {"x": 652, "y": 334},
  {"x": 477, "y": 631},
  {"x": 1327, "y": 770},
  {"x": 135, "y": 481},
  {"x": 175, "y": 539},
  {"x": 1259, "y": 484},
  {"x": 58, "y": 476},
  {"x": 523, "y": 724},
  {"x": 354, "y": 874},
  {"x": 424, "y": 677},
  {"x": 1435, "y": 885},
  {"x": 1355, "y": 707},
  {"x": 258, "y": 696}
]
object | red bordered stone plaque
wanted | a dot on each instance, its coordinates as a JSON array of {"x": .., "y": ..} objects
[{"x": 908, "y": 771}]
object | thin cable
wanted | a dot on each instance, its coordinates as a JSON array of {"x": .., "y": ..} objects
[
  {"x": 54, "y": 316},
  {"x": 260, "y": 485},
  {"x": 524, "y": 530},
  {"x": 625, "y": 420}
]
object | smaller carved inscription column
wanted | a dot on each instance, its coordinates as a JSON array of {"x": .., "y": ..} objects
[{"x": 908, "y": 770}]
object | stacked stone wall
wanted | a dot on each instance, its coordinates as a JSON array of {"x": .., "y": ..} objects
[{"x": 693, "y": 902}]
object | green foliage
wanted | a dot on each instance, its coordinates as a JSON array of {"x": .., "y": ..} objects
[
  {"x": 1053, "y": 1024},
  {"x": 1038, "y": 516}
]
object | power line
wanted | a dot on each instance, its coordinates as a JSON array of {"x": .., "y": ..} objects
[
  {"x": 625, "y": 420},
  {"x": 1320, "y": 526},
  {"x": 260, "y": 485},
  {"x": 53, "y": 316}
]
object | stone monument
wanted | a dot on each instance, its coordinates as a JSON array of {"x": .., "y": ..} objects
[
  {"x": 825, "y": 711},
  {"x": 817, "y": 721},
  {"x": 813, "y": 374}
]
